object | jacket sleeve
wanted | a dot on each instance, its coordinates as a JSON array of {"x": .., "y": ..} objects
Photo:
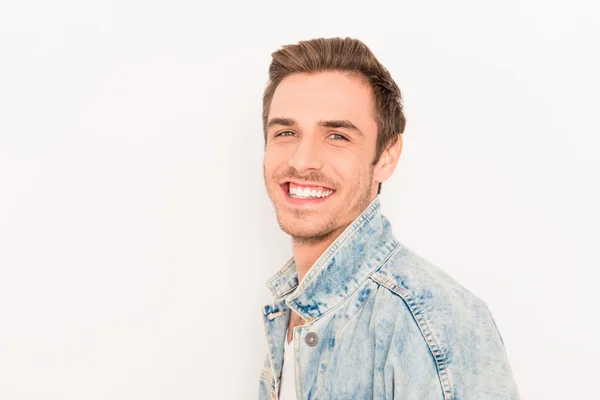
[
  {"x": 491, "y": 375},
  {"x": 478, "y": 366},
  {"x": 450, "y": 356}
]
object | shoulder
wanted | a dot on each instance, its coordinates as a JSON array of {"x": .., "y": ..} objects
[
  {"x": 456, "y": 325},
  {"x": 425, "y": 285}
]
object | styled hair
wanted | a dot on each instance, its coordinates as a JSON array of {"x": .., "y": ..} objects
[{"x": 344, "y": 55}]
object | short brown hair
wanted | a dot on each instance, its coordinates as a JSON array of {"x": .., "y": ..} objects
[{"x": 346, "y": 55}]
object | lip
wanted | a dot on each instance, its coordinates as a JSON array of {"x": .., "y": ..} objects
[
  {"x": 307, "y": 184},
  {"x": 300, "y": 202}
]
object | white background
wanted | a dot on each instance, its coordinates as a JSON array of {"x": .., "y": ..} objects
[{"x": 135, "y": 232}]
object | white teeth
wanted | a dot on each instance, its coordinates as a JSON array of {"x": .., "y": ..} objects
[{"x": 298, "y": 192}]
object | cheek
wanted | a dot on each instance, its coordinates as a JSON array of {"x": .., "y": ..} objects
[
  {"x": 347, "y": 167},
  {"x": 269, "y": 157},
  {"x": 274, "y": 160}
]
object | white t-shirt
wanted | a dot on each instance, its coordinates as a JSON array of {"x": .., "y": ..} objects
[{"x": 288, "y": 380}]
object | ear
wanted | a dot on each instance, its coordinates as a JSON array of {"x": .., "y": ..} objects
[{"x": 388, "y": 161}]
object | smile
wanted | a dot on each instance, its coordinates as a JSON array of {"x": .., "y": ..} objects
[
  {"x": 307, "y": 192},
  {"x": 303, "y": 194}
]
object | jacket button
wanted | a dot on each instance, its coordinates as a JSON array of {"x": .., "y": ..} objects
[{"x": 311, "y": 339}]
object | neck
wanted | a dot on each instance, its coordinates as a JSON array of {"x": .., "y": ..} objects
[{"x": 308, "y": 250}]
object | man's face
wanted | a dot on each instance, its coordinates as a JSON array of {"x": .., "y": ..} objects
[{"x": 303, "y": 155}]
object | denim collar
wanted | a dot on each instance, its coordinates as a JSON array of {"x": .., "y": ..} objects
[{"x": 354, "y": 255}]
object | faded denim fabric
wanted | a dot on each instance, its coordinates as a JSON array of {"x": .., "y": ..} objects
[{"x": 390, "y": 325}]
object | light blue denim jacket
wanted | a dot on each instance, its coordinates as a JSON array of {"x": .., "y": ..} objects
[{"x": 382, "y": 323}]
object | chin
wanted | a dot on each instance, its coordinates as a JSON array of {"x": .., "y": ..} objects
[
  {"x": 298, "y": 230},
  {"x": 305, "y": 229}
]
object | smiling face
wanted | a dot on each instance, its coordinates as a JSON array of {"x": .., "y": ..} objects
[{"x": 321, "y": 141}]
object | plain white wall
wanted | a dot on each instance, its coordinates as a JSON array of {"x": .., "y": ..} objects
[{"x": 135, "y": 232}]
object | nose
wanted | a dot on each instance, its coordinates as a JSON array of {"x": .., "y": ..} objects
[{"x": 306, "y": 156}]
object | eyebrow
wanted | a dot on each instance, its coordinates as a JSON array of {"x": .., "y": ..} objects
[{"x": 335, "y": 123}]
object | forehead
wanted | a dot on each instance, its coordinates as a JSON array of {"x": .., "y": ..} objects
[{"x": 324, "y": 95}]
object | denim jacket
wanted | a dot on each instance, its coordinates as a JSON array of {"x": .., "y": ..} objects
[{"x": 382, "y": 323}]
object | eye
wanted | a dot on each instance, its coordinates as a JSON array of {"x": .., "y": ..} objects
[
  {"x": 281, "y": 133},
  {"x": 342, "y": 136}
]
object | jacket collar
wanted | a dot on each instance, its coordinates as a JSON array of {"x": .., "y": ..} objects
[{"x": 354, "y": 255}]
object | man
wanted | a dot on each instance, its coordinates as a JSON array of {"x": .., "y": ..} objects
[{"x": 355, "y": 314}]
